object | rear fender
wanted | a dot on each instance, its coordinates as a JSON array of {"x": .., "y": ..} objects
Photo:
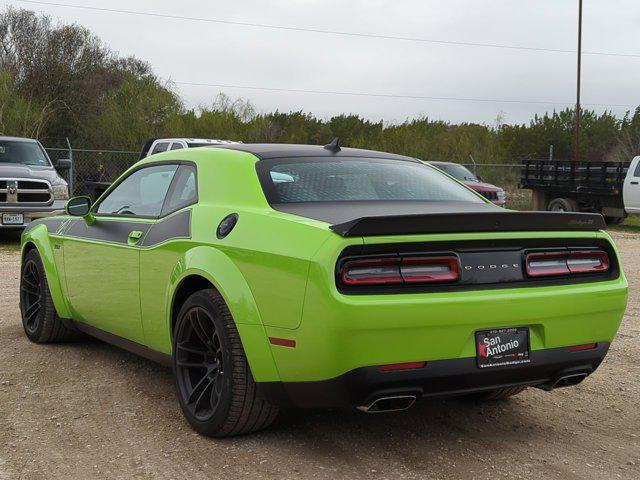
[{"x": 219, "y": 270}]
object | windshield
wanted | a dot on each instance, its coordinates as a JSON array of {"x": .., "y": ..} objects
[
  {"x": 357, "y": 179},
  {"x": 457, "y": 171},
  {"x": 23, "y": 153}
]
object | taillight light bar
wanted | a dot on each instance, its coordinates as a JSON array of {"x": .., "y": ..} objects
[
  {"x": 401, "y": 270},
  {"x": 554, "y": 263}
]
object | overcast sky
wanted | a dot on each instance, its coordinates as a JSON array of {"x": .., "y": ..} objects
[{"x": 201, "y": 52}]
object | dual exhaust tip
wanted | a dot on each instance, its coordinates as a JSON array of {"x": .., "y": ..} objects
[
  {"x": 394, "y": 403},
  {"x": 398, "y": 403}
]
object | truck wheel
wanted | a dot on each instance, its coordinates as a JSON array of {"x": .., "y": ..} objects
[
  {"x": 215, "y": 387},
  {"x": 563, "y": 205},
  {"x": 614, "y": 220},
  {"x": 39, "y": 318},
  {"x": 499, "y": 394}
]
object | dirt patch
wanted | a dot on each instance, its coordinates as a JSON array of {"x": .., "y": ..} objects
[{"x": 88, "y": 410}]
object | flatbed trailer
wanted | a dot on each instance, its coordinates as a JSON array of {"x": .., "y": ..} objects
[{"x": 560, "y": 185}]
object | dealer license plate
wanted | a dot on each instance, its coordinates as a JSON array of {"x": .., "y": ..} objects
[
  {"x": 502, "y": 347},
  {"x": 12, "y": 218}
]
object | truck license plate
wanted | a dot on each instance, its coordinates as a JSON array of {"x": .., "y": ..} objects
[{"x": 12, "y": 219}]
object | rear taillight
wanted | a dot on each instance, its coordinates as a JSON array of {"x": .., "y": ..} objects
[
  {"x": 376, "y": 271},
  {"x": 401, "y": 270},
  {"x": 547, "y": 264},
  {"x": 588, "y": 261},
  {"x": 429, "y": 269}
]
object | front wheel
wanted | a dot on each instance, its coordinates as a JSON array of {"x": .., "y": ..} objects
[
  {"x": 40, "y": 321},
  {"x": 215, "y": 387}
]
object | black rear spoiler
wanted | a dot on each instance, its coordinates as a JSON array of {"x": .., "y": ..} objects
[{"x": 468, "y": 222}]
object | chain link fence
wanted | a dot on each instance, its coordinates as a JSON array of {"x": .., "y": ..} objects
[{"x": 93, "y": 170}]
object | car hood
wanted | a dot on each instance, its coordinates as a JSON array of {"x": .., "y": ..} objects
[
  {"x": 482, "y": 187},
  {"x": 32, "y": 172}
]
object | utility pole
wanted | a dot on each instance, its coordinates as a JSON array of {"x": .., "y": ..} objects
[{"x": 577, "y": 146}]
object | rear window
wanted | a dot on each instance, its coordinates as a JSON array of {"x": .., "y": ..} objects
[
  {"x": 357, "y": 179},
  {"x": 457, "y": 171},
  {"x": 23, "y": 153}
]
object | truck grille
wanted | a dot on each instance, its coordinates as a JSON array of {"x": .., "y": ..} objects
[
  {"x": 489, "y": 195},
  {"x": 32, "y": 192}
]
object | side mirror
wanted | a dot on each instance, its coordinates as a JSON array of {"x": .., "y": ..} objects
[
  {"x": 63, "y": 164},
  {"x": 80, "y": 207}
]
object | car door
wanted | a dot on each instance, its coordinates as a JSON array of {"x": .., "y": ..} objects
[
  {"x": 102, "y": 258},
  {"x": 631, "y": 189},
  {"x": 160, "y": 258}
]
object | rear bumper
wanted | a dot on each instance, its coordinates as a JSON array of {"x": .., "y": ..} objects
[{"x": 438, "y": 378}]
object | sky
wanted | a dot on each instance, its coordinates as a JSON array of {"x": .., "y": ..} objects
[{"x": 189, "y": 51}]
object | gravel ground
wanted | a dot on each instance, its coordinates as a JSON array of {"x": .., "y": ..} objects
[{"x": 88, "y": 410}]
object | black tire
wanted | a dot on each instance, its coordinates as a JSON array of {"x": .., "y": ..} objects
[
  {"x": 563, "y": 205},
  {"x": 498, "y": 394},
  {"x": 216, "y": 390},
  {"x": 40, "y": 320},
  {"x": 614, "y": 220}
]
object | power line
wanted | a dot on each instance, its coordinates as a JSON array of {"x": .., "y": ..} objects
[
  {"x": 388, "y": 95},
  {"x": 326, "y": 32}
]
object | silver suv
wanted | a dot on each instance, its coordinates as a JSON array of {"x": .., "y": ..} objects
[{"x": 30, "y": 186}]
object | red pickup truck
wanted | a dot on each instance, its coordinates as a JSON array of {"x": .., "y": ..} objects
[{"x": 487, "y": 190}]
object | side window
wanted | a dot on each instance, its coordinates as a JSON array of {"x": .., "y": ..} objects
[
  {"x": 184, "y": 190},
  {"x": 176, "y": 146},
  {"x": 160, "y": 147},
  {"x": 141, "y": 194},
  {"x": 637, "y": 172}
]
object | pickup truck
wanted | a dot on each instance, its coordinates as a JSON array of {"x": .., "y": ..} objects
[
  {"x": 609, "y": 188},
  {"x": 30, "y": 186},
  {"x": 160, "y": 145}
]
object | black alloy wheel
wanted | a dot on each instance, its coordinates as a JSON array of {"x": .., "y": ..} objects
[
  {"x": 216, "y": 390},
  {"x": 200, "y": 364},
  {"x": 31, "y": 298}
]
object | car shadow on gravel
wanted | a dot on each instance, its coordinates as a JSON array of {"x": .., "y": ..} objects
[
  {"x": 428, "y": 422},
  {"x": 10, "y": 240}
]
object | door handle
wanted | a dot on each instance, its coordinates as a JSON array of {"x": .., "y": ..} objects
[
  {"x": 135, "y": 236},
  {"x": 634, "y": 183}
]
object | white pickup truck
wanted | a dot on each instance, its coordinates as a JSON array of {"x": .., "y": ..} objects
[
  {"x": 631, "y": 188},
  {"x": 609, "y": 188},
  {"x": 159, "y": 145}
]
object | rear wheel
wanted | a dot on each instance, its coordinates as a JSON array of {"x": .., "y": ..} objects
[
  {"x": 215, "y": 387},
  {"x": 498, "y": 394},
  {"x": 563, "y": 205},
  {"x": 39, "y": 318},
  {"x": 614, "y": 220}
]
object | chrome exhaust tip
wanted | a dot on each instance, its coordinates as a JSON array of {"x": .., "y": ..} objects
[
  {"x": 396, "y": 403},
  {"x": 569, "y": 380}
]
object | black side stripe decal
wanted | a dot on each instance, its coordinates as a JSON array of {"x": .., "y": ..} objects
[
  {"x": 54, "y": 225},
  {"x": 117, "y": 231},
  {"x": 174, "y": 227},
  {"x": 113, "y": 231}
]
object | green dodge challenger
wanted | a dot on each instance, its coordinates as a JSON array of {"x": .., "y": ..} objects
[{"x": 274, "y": 276}]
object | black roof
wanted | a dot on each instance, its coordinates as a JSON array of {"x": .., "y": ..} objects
[{"x": 284, "y": 150}]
